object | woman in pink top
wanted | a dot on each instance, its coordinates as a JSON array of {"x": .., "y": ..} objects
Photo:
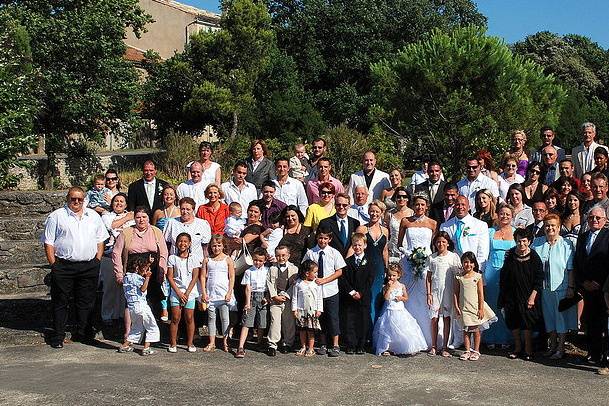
[{"x": 146, "y": 240}]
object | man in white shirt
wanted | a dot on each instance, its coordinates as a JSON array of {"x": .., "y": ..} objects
[
  {"x": 195, "y": 186},
  {"x": 238, "y": 190},
  {"x": 359, "y": 208},
  {"x": 74, "y": 244},
  {"x": 583, "y": 155},
  {"x": 374, "y": 179},
  {"x": 287, "y": 189},
  {"x": 475, "y": 181}
]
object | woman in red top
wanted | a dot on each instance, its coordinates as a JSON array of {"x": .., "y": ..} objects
[{"x": 214, "y": 211}]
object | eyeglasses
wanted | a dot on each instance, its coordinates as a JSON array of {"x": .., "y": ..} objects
[
  {"x": 77, "y": 199},
  {"x": 511, "y": 166},
  {"x": 548, "y": 154},
  {"x": 534, "y": 172},
  {"x": 325, "y": 192},
  {"x": 341, "y": 205},
  {"x": 597, "y": 218},
  {"x": 402, "y": 197},
  {"x": 472, "y": 166},
  {"x": 112, "y": 179}
]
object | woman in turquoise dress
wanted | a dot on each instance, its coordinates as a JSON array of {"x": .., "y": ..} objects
[
  {"x": 501, "y": 240},
  {"x": 377, "y": 253}
]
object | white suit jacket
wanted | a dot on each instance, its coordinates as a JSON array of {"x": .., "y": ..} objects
[
  {"x": 380, "y": 181},
  {"x": 582, "y": 160},
  {"x": 474, "y": 237}
]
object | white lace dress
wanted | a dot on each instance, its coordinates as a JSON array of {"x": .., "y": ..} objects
[
  {"x": 396, "y": 330},
  {"x": 416, "y": 305}
]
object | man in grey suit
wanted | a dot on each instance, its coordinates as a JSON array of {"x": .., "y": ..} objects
[{"x": 434, "y": 185}]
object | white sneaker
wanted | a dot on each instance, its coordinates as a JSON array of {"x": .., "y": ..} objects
[
  {"x": 192, "y": 348},
  {"x": 172, "y": 349}
]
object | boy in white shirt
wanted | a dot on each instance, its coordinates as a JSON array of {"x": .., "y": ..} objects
[
  {"x": 256, "y": 304},
  {"x": 331, "y": 264}
]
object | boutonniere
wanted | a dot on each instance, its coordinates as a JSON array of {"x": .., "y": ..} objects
[
  {"x": 159, "y": 188},
  {"x": 364, "y": 262},
  {"x": 467, "y": 232}
]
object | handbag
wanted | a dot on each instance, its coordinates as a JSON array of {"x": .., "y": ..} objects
[{"x": 243, "y": 261}]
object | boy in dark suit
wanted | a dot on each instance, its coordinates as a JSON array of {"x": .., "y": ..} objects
[{"x": 354, "y": 288}]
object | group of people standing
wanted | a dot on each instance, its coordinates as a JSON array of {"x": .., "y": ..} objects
[{"x": 288, "y": 247}]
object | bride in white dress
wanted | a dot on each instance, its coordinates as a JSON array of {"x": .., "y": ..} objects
[
  {"x": 393, "y": 219},
  {"x": 417, "y": 232}
]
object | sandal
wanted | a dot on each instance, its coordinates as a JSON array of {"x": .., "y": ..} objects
[
  {"x": 240, "y": 353},
  {"x": 309, "y": 353},
  {"x": 385, "y": 353},
  {"x": 465, "y": 356},
  {"x": 209, "y": 348},
  {"x": 513, "y": 355},
  {"x": 446, "y": 354},
  {"x": 432, "y": 352},
  {"x": 225, "y": 348},
  {"x": 301, "y": 352},
  {"x": 475, "y": 355}
]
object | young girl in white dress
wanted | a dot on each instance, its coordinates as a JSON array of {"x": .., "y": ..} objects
[
  {"x": 470, "y": 306},
  {"x": 217, "y": 282},
  {"x": 307, "y": 306},
  {"x": 396, "y": 331},
  {"x": 444, "y": 265}
]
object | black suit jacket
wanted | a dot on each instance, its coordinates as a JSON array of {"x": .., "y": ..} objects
[
  {"x": 332, "y": 223},
  {"x": 136, "y": 195},
  {"x": 265, "y": 171},
  {"x": 424, "y": 187},
  {"x": 531, "y": 228},
  {"x": 437, "y": 212},
  {"x": 358, "y": 278},
  {"x": 593, "y": 266}
]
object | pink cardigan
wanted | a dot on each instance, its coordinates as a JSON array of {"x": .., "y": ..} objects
[{"x": 141, "y": 242}]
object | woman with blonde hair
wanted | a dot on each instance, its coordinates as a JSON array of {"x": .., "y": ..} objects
[
  {"x": 518, "y": 151},
  {"x": 486, "y": 207}
]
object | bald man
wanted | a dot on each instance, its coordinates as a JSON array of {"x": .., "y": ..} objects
[
  {"x": 195, "y": 186},
  {"x": 373, "y": 179}
]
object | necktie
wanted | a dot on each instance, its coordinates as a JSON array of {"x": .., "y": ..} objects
[
  {"x": 320, "y": 265},
  {"x": 343, "y": 232},
  {"x": 150, "y": 193},
  {"x": 432, "y": 192},
  {"x": 358, "y": 261},
  {"x": 363, "y": 215},
  {"x": 458, "y": 237},
  {"x": 590, "y": 242}
]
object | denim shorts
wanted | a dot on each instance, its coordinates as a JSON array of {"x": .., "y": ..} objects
[{"x": 174, "y": 302}]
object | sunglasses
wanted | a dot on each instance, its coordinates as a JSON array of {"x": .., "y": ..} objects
[
  {"x": 548, "y": 154},
  {"x": 472, "y": 166},
  {"x": 511, "y": 166},
  {"x": 597, "y": 218},
  {"x": 325, "y": 192},
  {"x": 77, "y": 199},
  {"x": 534, "y": 172},
  {"x": 341, "y": 205},
  {"x": 402, "y": 197},
  {"x": 112, "y": 179}
]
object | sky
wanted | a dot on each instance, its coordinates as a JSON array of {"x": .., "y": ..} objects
[{"x": 513, "y": 20}]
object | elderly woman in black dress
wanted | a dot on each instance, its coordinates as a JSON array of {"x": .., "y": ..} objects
[{"x": 520, "y": 283}]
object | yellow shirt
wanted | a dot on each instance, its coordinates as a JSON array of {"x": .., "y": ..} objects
[{"x": 315, "y": 214}]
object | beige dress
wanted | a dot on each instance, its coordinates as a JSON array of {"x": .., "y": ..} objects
[{"x": 468, "y": 303}]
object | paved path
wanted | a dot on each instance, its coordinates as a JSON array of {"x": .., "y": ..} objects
[{"x": 88, "y": 375}]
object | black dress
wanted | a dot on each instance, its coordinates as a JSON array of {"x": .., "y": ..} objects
[
  {"x": 519, "y": 276},
  {"x": 486, "y": 217},
  {"x": 536, "y": 197},
  {"x": 298, "y": 244}
]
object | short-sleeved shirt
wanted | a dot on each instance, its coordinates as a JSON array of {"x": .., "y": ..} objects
[
  {"x": 182, "y": 273},
  {"x": 199, "y": 231},
  {"x": 256, "y": 278},
  {"x": 74, "y": 239},
  {"x": 333, "y": 261},
  {"x": 132, "y": 284}
]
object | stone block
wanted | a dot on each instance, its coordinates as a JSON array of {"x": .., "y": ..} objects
[
  {"x": 26, "y": 278},
  {"x": 13, "y": 253},
  {"x": 31, "y": 203},
  {"x": 21, "y": 228}
]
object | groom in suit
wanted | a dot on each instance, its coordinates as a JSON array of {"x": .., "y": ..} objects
[
  {"x": 434, "y": 185},
  {"x": 148, "y": 191},
  {"x": 591, "y": 267},
  {"x": 342, "y": 225}
]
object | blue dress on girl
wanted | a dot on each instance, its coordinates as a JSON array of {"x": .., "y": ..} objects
[
  {"x": 374, "y": 254},
  {"x": 498, "y": 332}
]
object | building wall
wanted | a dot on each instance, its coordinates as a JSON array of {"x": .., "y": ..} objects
[{"x": 173, "y": 22}]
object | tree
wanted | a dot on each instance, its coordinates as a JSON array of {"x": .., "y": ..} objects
[
  {"x": 18, "y": 97},
  {"x": 229, "y": 62},
  {"x": 86, "y": 87},
  {"x": 454, "y": 93},
  {"x": 335, "y": 42},
  {"x": 582, "y": 67}
]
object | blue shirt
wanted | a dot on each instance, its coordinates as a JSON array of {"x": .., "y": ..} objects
[
  {"x": 557, "y": 260},
  {"x": 132, "y": 284}
]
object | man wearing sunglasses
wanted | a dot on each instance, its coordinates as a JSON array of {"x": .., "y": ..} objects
[
  {"x": 547, "y": 136},
  {"x": 475, "y": 181},
  {"x": 591, "y": 267},
  {"x": 342, "y": 225},
  {"x": 73, "y": 241}
]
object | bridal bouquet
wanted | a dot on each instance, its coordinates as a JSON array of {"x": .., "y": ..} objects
[{"x": 418, "y": 260}]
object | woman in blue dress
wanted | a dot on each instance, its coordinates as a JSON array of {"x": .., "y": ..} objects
[
  {"x": 377, "y": 252},
  {"x": 501, "y": 240}
]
